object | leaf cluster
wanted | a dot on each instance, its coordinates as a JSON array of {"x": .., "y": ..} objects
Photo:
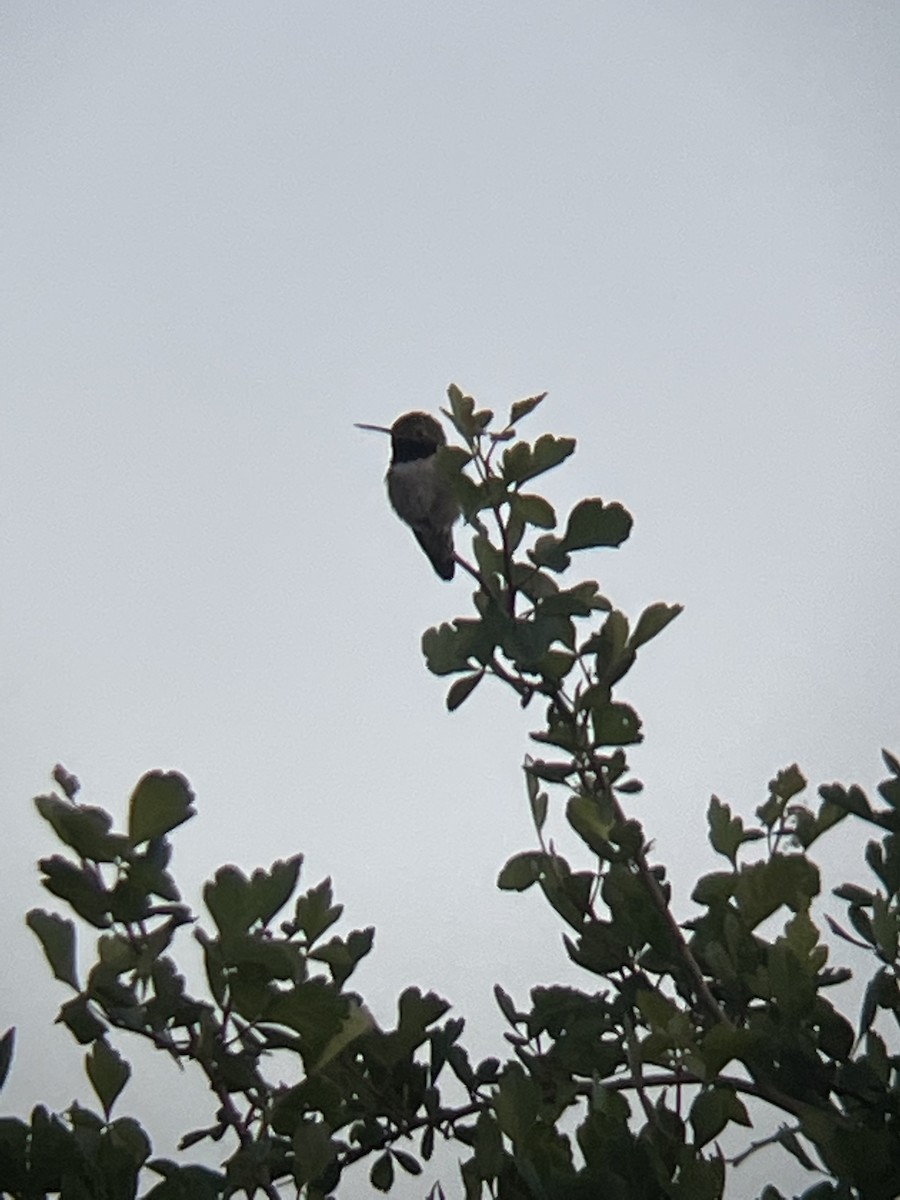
[{"x": 684, "y": 1031}]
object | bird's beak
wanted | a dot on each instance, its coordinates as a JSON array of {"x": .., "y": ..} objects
[{"x": 374, "y": 428}]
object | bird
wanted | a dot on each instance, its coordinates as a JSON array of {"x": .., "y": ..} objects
[{"x": 420, "y": 494}]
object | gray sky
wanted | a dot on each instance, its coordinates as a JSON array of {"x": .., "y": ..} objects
[{"x": 231, "y": 230}]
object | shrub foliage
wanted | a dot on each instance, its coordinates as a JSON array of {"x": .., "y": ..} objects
[{"x": 620, "y": 1089}]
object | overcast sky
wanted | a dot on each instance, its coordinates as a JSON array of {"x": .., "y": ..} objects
[{"x": 232, "y": 230}]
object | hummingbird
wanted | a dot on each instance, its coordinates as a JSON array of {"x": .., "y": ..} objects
[{"x": 419, "y": 493}]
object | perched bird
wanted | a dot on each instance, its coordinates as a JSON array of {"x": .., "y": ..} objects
[{"x": 419, "y": 493}]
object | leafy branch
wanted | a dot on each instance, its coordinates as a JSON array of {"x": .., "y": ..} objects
[{"x": 690, "y": 1020}]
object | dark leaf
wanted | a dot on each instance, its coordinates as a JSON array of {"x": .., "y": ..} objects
[
  {"x": 521, "y": 408},
  {"x": 80, "y": 1020},
  {"x": 85, "y": 829},
  {"x": 57, "y": 936},
  {"x": 616, "y": 724},
  {"x": 852, "y": 800},
  {"x": 107, "y": 1071},
  {"x": 763, "y": 887},
  {"x": 313, "y": 1151},
  {"x": 593, "y": 523},
  {"x": 161, "y": 801},
  {"x": 69, "y": 782},
  {"x": 451, "y": 648},
  {"x": 521, "y": 871},
  {"x": 726, "y": 833},
  {"x": 316, "y": 912},
  {"x": 505, "y": 1003},
  {"x": 270, "y": 890},
  {"x": 81, "y": 887},
  {"x": 228, "y": 897},
  {"x": 460, "y": 689},
  {"x": 712, "y": 1110},
  {"x": 7, "y": 1046},
  {"x": 652, "y": 621},
  {"x": 533, "y": 510},
  {"x": 549, "y": 552},
  {"x": 522, "y": 461},
  {"x": 381, "y": 1175},
  {"x": 592, "y": 820},
  {"x": 788, "y": 783},
  {"x": 411, "y": 1165},
  {"x": 551, "y": 772},
  {"x": 343, "y": 954}
]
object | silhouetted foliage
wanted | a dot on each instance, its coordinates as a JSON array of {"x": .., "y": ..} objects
[{"x": 619, "y": 1090}]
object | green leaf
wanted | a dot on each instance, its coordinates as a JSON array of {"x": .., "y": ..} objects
[
  {"x": 853, "y": 800},
  {"x": 521, "y": 871},
  {"x": 124, "y": 1141},
  {"x": 487, "y": 1147},
  {"x": 185, "y": 1183},
  {"x": 460, "y": 689},
  {"x": 516, "y": 1103},
  {"x": 533, "y": 510},
  {"x": 7, "y": 1046},
  {"x": 81, "y": 887},
  {"x": 314, "y": 1151},
  {"x": 83, "y": 828},
  {"x": 725, "y": 831},
  {"x": 889, "y": 791},
  {"x": 516, "y": 462},
  {"x": 315, "y": 1010},
  {"x": 57, "y": 937},
  {"x": 316, "y": 912},
  {"x": 549, "y": 452},
  {"x": 506, "y": 1005},
  {"x": 160, "y": 802},
  {"x": 381, "y": 1175},
  {"x": 652, "y": 621},
  {"x": 108, "y": 1073},
  {"x": 522, "y": 461},
  {"x": 593, "y": 523},
  {"x": 227, "y": 896},
  {"x": 886, "y": 928},
  {"x": 451, "y": 648},
  {"x": 578, "y": 601},
  {"x": 521, "y": 408},
  {"x": 416, "y": 1011},
  {"x": 409, "y": 1164},
  {"x": 763, "y": 887},
  {"x": 539, "y": 810},
  {"x": 600, "y": 948},
  {"x": 788, "y": 783},
  {"x": 343, "y": 954},
  {"x": 462, "y": 409},
  {"x": 76, "y": 1015},
  {"x": 527, "y": 641},
  {"x": 614, "y": 655},
  {"x": 53, "y": 1151},
  {"x": 854, "y": 894},
  {"x": 270, "y": 890},
  {"x": 548, "y": 552},
  {"x": 591, "y": 820},
  {"x": 712, "y": 1110},
  {"x": 357, "y": 1022},
  {"x": 14, "y": 1138},
  {"x": 555, "y": 665},
  {"x": 616, "y": 725},
  {"x": 551, "y": 772}
]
